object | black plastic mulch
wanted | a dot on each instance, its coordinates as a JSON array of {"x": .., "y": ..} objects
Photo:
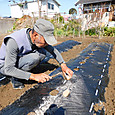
[{"x": 86, "y": 87}]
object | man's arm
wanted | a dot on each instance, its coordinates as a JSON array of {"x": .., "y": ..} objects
[
  {"x": 10, "y": 61},
  {"x": 55, "y": 53},
  {"x": 10, "y": 65},
  {"x": 66, "y": 71}
]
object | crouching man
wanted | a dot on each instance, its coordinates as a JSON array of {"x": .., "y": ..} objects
[{"x": 24, "y": 49}]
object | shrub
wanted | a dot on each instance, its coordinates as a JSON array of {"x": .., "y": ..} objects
[
  {"x": 109, "y": 31},
  {"x": 90, "y": 32},
  {"x": 61, "y": 19}
]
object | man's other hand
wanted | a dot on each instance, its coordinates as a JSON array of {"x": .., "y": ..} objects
[
  {"x": 42, "y": 77},
  {"x": 68, "y": 73}
]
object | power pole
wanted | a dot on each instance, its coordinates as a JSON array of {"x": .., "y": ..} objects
[
  {"x": 39, "y": 9},
  {"x": 47, "y": 7}
]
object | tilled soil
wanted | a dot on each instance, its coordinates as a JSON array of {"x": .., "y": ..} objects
[{"x": 8, "y": 95}]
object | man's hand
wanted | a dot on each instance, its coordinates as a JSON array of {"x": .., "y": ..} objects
[
  {"x": 42, "y": 77},
  {"x": 66, "y": 71}
]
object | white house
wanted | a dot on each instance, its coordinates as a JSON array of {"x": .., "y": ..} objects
[{"x": 46, "y": 7}]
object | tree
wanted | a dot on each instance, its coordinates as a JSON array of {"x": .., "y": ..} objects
[
  {"x": 16, "y": 1},
  {"x": 39, "y": 7},
  {"x": 72, "y": 11}
]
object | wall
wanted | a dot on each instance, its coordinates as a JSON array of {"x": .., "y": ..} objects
[
  {"x": 5, "y": 25},
  {"x": 16, "y": 11},
  {"x": 93, "y": 20},
  {"x": 51, "y": 12},
  {"x": 33, "y": 7}
]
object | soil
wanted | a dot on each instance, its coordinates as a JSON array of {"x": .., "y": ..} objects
[{"x": 8, "y": 95}]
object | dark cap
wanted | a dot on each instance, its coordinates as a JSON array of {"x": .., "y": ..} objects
[{"x": 46, "y": 29}]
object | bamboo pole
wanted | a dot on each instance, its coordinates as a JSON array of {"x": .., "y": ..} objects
[
  {"x": 47, "y": 7},
  {"x": 39, "y": 9}
]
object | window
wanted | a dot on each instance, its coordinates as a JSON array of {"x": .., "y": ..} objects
[{"x": 50, "y": 6}]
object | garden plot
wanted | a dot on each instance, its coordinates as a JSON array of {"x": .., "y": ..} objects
[{"x": 86, "y": 87}]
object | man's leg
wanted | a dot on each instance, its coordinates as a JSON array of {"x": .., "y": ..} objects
[
  {"x": 27, "y": 63},
  {"x": 14, "y": 81},
  {"x": 3, "y": 78}
]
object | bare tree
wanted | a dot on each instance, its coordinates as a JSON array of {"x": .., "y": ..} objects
[
  {"x": 47, "y": 7},
  {"x": 39, "y": 7},
  {"x": 94, "y": 19}
]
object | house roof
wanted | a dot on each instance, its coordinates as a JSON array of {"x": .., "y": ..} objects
[
  {"x": 90, "y": 1},
  {"x": 35, "y": 1},
  {"x": 57, "y": 2}
]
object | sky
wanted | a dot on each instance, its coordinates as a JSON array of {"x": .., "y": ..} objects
[{"x": 65, "y": 6}]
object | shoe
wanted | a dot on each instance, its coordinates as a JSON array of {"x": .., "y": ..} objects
[
  {"x": 16, "y": 83},
  {"x": 4, "y": 80}
]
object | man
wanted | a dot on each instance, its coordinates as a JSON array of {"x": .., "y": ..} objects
[{"x": 23, "y": 50}]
